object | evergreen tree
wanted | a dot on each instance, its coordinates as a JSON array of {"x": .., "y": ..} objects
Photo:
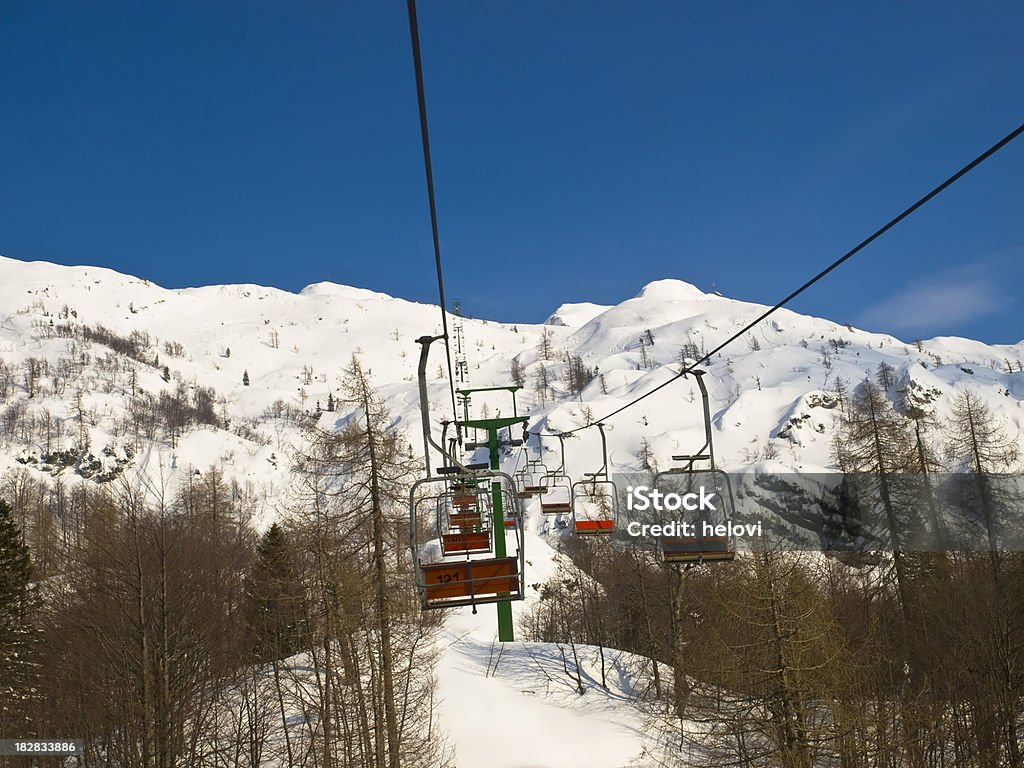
[
  {"x": 275, "y": 595},
  {"x": 577, "y": 375},
  {"x": 17, "y": 634},
  {"x": 245, "y": 378}
]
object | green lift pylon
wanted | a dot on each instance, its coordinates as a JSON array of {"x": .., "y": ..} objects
[{"x": 506, "y": 628}]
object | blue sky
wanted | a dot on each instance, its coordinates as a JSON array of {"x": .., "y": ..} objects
[{"x": 581, "y": 150}]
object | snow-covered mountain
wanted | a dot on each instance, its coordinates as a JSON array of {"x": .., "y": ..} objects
[
  {"x": 769, "y": 393},
  {"x": 103, "y": 374}
]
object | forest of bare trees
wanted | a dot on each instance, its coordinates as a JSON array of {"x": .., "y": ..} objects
[
  {"x": 796, "y": 659},
  {"x": 166, "y": 633}
]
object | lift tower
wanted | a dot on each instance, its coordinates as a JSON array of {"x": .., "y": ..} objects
[{"x": 494, "y": 442}]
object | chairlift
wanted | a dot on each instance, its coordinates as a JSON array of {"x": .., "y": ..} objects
[
  {"x": 698, "y": 470},
  {"x": 595, "y": 499},
  {"x": 594, "y": 506},
  {"x": 531, "y": 478},
  {"x": 463, "y": 520},
  {"x": 468, "y": 502},
  {"x": 556, "y": 498},
  {"x": 470, "y": 579}
]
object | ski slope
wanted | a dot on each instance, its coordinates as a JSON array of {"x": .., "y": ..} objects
[{"x": 513, "y": 705}]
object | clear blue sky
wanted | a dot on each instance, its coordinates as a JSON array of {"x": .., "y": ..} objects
[{"x": 581, "y": 150}]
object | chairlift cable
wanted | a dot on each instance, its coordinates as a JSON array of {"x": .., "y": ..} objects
[
  {"x": 846, "y": 256},
  {"x": 414, "y": 35}
]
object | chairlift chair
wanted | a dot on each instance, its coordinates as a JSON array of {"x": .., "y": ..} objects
[
  {"x": 702, "y": 547},
  {"x": 464, "y": 521},
  {"x": 594, "y": 506},
  {"x": 595, "y": 500},
  {"x": 556, "y": 498},
  {"x": 698, "y": 469},
  {"x": 531, "y": 478},
  {"x": 470, "y": 577},
  {"x": 464, "y": 575}
]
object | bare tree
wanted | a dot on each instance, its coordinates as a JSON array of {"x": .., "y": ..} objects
[
  {"x": 545, "y": 347},
  {"x": 516, "y": 372}
]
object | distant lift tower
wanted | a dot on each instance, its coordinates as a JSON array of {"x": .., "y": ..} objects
[{"x": 461, "y": 365}]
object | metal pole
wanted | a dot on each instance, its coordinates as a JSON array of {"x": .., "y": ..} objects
[
  {"x": 506, "y": 629},
  {"x": 707, "y": 415},
  {"x": 604, "y": 452},
  {"x": 426, "y": 341}
]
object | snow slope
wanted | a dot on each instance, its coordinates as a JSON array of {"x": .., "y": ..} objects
[{"x": 513, "y": 705}]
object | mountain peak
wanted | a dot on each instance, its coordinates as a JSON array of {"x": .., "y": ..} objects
[
  {"x": 671, "y": 289},
  {"x": 327, "y": 288}
]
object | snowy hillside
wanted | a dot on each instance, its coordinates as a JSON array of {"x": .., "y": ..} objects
[
  {"x": 103, "y": 374},
  {"x": 292, "y": 348}
]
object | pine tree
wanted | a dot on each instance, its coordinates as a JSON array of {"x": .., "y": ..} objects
[
  {"x": 276, "y": 621},
  {"x": 245, "y": 378},
  {"x": 577, "y": 375},
  {"x": 17, "y": 634}
]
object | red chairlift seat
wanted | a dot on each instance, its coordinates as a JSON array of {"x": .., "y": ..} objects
[
  {"x": 465, "y": 520},
  {"x": 594, "y": 506},
  {"x": 452, "y": 584},
  {"x": 594, "y": 526},
  {"x": 466, "y": 542},
  {"x": 464, "y": 501}
]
